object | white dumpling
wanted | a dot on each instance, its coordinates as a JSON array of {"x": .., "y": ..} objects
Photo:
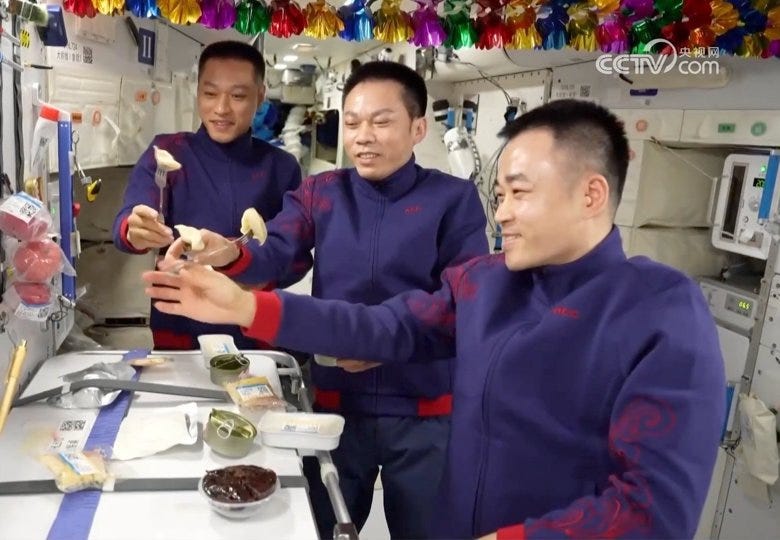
[
  {"x": 191, "y": 236},
  {"x": 254, "y": 222},
  {"x": 165, "y": 160}
]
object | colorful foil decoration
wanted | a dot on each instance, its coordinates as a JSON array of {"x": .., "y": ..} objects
[
  {"x": 724, "y": 17},
  {"x": 603, "y": 7},
  {"x": 145, "y": 9},
  {"x": 637, "y": 10},
  {"x": 217, "y": 14},
  {"x": 493, "y": 32},
  {"x": 358, "y": 23},
  {"x": 551, "y": 22},
  {"x": 109, "y": 7},
  {"x": 521, "y": 19},
  {"x": 611, "y": 35},
  {"x": 458, "y": 25},
  {"x": 322, "y": 21},
  {"x": 286, "y": 19},
  {"x": 428, "y": 29},
  {"x": 582, "y": 28},
  {"x": 772, "y": 31},
  {"x": 180, "y": 11},
  {"x": 252, "y": 17},
  {"x": 392, "y": 25},
  {"x": 80, "y": 8}
]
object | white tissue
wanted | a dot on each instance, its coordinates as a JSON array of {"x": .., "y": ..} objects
[{"x": 145, "y": 434}]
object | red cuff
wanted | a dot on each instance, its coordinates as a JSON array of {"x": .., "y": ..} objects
[
  {"x": 123, "y": 237},
  {"x": 268, "y": 317},
  {"x": 239, "y": 265},
  {"x": 514, "y": 532}
]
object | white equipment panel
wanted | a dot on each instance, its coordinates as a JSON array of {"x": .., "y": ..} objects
[
  {"x": 736, "y": 227},
  {"x": 750, "y": 127}
]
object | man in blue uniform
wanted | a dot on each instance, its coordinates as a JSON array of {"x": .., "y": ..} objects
[
  {"x": 588, "y": 393},
  {"x": 224, "y": 172},
  {"x": 381, "y": 228}
]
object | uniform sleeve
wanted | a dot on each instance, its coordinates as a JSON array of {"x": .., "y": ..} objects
[
  {"x": 663, "y": 435},
  {"x": 140, "y": 189},
  {"x": 464, "y": 233},
  {"x": 285, "y": 257},
  {"x": 415, "y": 324}
]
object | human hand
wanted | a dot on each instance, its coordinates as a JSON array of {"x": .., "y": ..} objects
[{"x": 144, "y": 231}]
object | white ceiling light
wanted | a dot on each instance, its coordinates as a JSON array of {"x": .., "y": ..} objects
[
  {"x": 303, "y": 47},
  {"x": 290, "y": 58},
  {"x": 280, "y": 66}
]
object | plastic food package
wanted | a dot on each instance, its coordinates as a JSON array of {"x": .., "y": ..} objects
[
  {"x": 29, "y": 301},
  {"x": 24, "y": 217},
  {"x": 37, "y": 261},
  {"x": 77, "y": 471}
]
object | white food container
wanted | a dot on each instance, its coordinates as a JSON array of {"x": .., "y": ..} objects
[
  {"x": 310, "y": 431},
  {"x": 213, "y": 344}
]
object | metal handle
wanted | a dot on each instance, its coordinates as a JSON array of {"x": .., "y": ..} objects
[{"x": 344, "y": 529}]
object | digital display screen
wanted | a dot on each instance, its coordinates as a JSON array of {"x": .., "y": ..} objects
[
  {"x": 759, "y": 182},
  {"x": 740, "y": 306}
]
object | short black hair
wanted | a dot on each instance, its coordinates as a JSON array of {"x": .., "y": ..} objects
[
  {"x": 233, "y": 50},
  {"x": 589, "y": 132},
  {"x": 415, "y": 94}
]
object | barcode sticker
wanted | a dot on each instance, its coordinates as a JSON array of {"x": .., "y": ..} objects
[
  {"x": 78, "y": 462},
  {"x": 22, "y": 206},
  {"x": 301, "y": 428},
  {"x": 254, "y": 391},
  {"x": 33, "y": 313}
]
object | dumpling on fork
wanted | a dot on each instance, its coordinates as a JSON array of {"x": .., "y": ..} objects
[
  {"x": 191, "y": 237},
  {"x": 253, "y": 222}
]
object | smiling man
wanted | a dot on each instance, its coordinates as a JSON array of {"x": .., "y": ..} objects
[
  {"x": 224, "y": 172},
  {"x": 381, "y": 228},
  {"x": 588, "y": 396}
]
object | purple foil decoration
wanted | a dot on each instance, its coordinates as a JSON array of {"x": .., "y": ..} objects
[
  {"x": 428, "y": 30},
  {"x": 217, "y": 14}
]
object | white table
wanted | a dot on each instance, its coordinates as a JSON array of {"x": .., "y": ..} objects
[{"x": 141, "y": 514}]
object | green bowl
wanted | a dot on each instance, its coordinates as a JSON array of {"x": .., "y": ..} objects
[
  {"x": 226, "y": 368},
  {"x": 229, "y": 434}
]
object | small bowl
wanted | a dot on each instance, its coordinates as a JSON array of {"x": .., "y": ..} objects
[
  {"x": 229, "y": 434},
  {"x": 225, "y": 368},
  {"x": 237, "y": 510}
]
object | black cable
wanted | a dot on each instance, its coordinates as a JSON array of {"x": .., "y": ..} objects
[
  {"x": 17, "y": 96},
  {"x": 484, "y": 76}
]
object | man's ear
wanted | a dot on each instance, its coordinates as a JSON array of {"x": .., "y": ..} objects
[{"x": 595, "y": 195}]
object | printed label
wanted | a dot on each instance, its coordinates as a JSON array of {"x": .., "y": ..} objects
[
  {"x": 78, "y": 462},
  {"x": 22, "y": 206}
]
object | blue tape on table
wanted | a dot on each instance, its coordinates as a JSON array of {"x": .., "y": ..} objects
[{"x": 77, "y": 510}]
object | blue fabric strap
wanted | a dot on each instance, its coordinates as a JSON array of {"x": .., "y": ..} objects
[{"x": 77, "y": 510}]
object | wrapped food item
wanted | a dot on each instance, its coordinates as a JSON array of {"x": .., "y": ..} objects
[
  {"x": 77, "y": 471},
  {"x": 254, "y": 396},
  {"x": 24, "y": 217},
  {"x": 89, "y": 398},
  {"x": 37, "y": 261},
  {"x": 29, "y": 301}
]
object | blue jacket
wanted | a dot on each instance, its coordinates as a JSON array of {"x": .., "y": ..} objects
[
  {"x": 216, "y": 183},
  {"x": 588, "y": 397},
  {"x": 373, "y": 241}
]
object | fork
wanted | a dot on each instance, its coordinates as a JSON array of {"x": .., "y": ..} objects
[
  {"x": 190, "y": 255},
  {"x": 161, "y": 179}
]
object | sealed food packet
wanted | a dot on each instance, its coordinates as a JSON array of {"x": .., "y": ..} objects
[
  {"x": 24, "y": 217},
  {"x": 77, "y": 471},
  {"x": 255, "y": 393}
]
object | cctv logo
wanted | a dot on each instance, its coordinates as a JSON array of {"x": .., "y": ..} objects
[{"x": 655, "y": 64}]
